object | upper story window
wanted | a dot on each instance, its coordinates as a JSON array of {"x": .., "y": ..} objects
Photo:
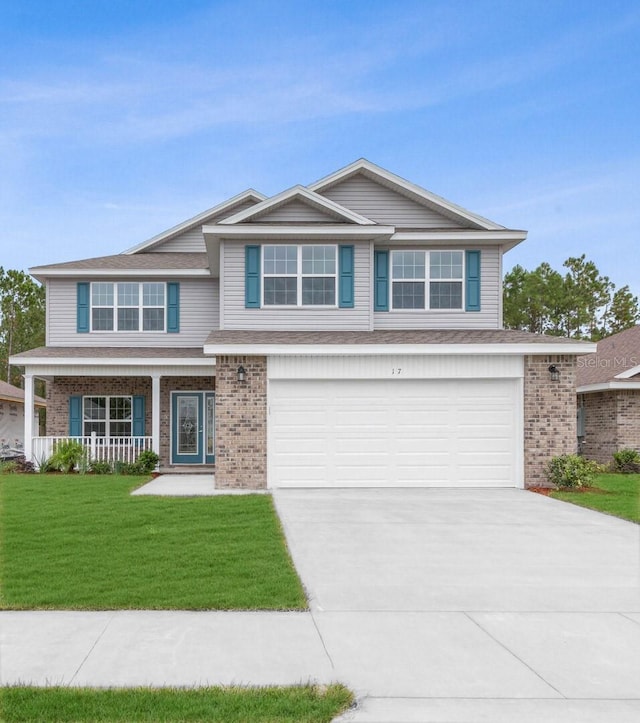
[
  {"x": 426, "y": 279},
  {"x": 128, "y": 306},
  {"x": 299, "y": 275}
]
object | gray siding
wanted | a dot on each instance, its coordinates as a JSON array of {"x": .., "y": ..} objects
[
  {"x": 385, "y": 206},
  {"x": 199, "y": 314},
  {"x": 235, "y": 316},
  {"x": 489, "y": 316},
  {"x": 296, "y": 212},
  {"x": 193, "y": 240}
]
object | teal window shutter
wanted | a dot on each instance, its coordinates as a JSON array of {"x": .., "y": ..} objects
[
  {"x": 138, "y": 416},
  {"x": 82, "y": 316},
  {"x": 173, "y": 307},
  {"x": 75, "y": 416},
  {"x": 345, "y": 266},
  {"x": 381, "y": 281},
  {"x": 252, "y": 277},
  {"x": 472, "y": 263}
]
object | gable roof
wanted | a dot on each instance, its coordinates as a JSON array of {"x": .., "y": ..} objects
[
  {"x": 9, "y": 393},
  {"x": 405, "y": 188},
  {"x": 616, "y": 364},
  {"x": 250, "y": 195},
  {"x": 333, "y": 211}
]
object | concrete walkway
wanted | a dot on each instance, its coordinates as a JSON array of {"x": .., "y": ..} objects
[
  {"x": 187, "y": 485},
  {"x": 433, "y": 605}
]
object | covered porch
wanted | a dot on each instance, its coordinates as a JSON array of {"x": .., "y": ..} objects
[{"x": 119, "y": 402}]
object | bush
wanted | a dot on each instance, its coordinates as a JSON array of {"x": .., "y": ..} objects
[
  {"x": 17, "y": 465},
  {"x": 626, "y": 461},
  {"x": 571, "y": 471},
  {"x": 68, "y": 455},
  {"x": 100, "y": 466},
  {"x": 147, "y": 461}
]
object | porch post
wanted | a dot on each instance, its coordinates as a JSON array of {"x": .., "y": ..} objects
[
  {"x": 28, "y": 417},
  {"x": 155, "y": 413}
]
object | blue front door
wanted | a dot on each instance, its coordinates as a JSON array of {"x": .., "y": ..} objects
[{"x": 192, "y": 428}]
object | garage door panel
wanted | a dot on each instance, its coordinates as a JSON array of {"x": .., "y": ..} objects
[{"x": 393, "y": 433}]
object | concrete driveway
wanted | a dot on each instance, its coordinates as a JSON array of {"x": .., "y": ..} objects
[{"x": 471, "y": 605}]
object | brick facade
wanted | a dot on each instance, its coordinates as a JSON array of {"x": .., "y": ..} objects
[
  {"x": 61, "y": 388},
  {"x": 611, "y": 422},
  {"x": 241, "y": 422},
  {"x": 549, "y": 414},
  {"x": 59, "y": 391}
]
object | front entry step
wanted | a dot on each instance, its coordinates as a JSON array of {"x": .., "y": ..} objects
[{"x": 187, "y": 469}]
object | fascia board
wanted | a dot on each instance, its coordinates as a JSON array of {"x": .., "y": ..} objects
[
  {"x": 500, "y": 237},
  {"x": 299, "y": 192},
  {"x": 419, "y": 193},
  {"x": 93, "y": 273},
  {"x": 607, "y": 387},
  {"x": 197, "y": 220},
  {"x": 257, "y": 231},
  {"x": 629, "y": 373},
  {"x": 111, "y": 361},
  {"x": 401, "y": 349}
]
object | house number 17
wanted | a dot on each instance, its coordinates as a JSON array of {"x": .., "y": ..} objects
[{"x": 396, "y": 371}]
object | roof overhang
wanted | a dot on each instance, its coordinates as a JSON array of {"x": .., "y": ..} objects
[
  {"x": 628, "y": 373},
  {"x": 607, "y": 387},
  {"x": 521, "y": 349},
  {"x": 42, "y": 274},
  {"x": 505, "y": 239}
]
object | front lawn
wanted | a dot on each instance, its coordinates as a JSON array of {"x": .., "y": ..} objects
[
  {"x": 83, "y": 542},
  {"x": 615, "y": 494},
  {"x": 226, "y": 705}
]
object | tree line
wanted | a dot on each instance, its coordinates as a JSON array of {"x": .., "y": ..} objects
[{"x": 580, "y": 303}]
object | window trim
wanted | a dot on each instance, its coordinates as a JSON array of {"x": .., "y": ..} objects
[
  {"x": 299, "y": 276},
  {"x": 140, "y": 307},
  {"x": 427, "y": 281},
  {"x": 107, "y": 420}
]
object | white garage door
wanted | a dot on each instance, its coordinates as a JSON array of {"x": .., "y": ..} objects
[{"x": 401, "y": 433}]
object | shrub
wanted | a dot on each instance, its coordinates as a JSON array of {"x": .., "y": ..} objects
[
  {"x": 147, "y": 461},
  {"x": 8, "y": 466},
  {"x": 572, "y": 471},
  {"x": 68, "y": 455},
  {"x": 626, "y": 461},
  {"x": 100, "y": 466}
]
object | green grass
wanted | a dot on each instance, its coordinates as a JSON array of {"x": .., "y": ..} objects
[
  {"x": 228, "y": 705},
  {"x": 615, "y": 494},
  {"x": 82, "y": 542}
]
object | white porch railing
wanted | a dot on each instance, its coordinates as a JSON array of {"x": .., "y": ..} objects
[{"x": 100, "y": 449}]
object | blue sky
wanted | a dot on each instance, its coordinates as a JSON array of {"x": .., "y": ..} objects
[{"x": 121, "y": 118}]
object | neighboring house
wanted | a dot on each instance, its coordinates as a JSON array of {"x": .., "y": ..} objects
[
  {"x": 344, "y": 333},
  {"x": 608, "y": 385},
  {"x": 12, "y": 417}
]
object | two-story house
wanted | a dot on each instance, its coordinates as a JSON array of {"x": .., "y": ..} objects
[{"x": 345, "y": 333}]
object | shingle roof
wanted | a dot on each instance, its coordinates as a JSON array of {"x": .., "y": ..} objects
[
  {"x": 152, "y": 260},
  {"x": 112, "y": 352},
  {"x": 418, "y": 336},
  {"x": 615, "y": 355},
  {"x": 14, "y": 394}
]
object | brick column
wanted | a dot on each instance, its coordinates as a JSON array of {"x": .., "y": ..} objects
[
  {"x": 549, "y": 414},
  {"x": 241, "y": 422}
]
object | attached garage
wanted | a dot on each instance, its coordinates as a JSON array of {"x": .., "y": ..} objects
[{"x": 396, "y": 432}]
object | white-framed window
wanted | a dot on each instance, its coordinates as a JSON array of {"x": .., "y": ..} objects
[
  {"x": 299, "y": 275},
  {"x": 128, "y": 306},
  {"x": 107, "y": 416},
  {"x": 427, "y": 279}
]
